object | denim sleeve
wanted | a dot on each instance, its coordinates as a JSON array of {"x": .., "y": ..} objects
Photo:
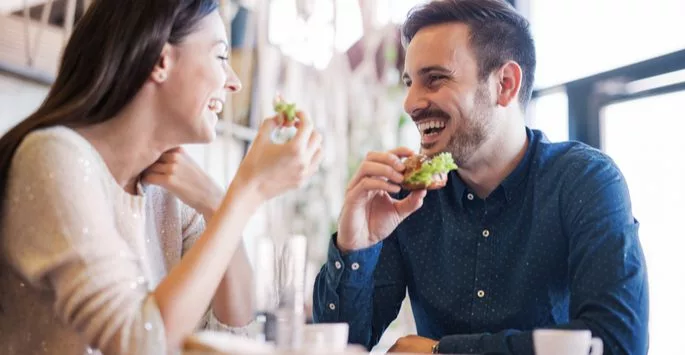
[
  {"x": 364, "y": 288},
  {"x": 607, "y": 272}
]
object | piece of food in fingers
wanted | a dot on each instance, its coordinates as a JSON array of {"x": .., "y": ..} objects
[
  {"x": 288, "y": 116},
  {"x": 287, "y": 110},
  {"x": 424, "y": 173}
]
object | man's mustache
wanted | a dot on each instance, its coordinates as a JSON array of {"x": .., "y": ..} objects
[{"x": 429, "y": 113}]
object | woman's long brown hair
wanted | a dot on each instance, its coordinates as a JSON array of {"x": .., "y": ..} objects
[{"x": 108, "y": 58}]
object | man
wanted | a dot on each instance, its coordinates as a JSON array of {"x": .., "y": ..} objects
[{"x": 527, "y": 234}]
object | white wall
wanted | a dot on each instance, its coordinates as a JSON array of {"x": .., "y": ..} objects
[{"x": 18, "y": 99}]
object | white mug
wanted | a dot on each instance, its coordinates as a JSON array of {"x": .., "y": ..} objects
[
  {"x": 325, "y": 338},
  {"x": 566, "y": 342}
]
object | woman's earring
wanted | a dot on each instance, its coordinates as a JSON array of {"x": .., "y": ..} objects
[{"x": 161, "y": 76}]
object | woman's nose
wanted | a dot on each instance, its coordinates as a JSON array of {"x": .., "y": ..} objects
[{"x": 233, "y": 83}]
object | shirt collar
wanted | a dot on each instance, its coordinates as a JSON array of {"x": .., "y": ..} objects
[
  {"x": 512, "y": 183},
  {"x": 456, "y": 186}
]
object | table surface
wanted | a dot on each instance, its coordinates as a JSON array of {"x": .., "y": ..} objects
[{"x": 222, "y": 343}]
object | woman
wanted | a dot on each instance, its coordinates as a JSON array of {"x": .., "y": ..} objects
[{"x": 99, "y": 203}]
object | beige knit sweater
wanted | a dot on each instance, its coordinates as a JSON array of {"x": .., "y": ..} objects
[{"x": 83, "y": 254}]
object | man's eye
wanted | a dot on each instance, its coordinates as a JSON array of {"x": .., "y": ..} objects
[{"x": 434, "y": 78}]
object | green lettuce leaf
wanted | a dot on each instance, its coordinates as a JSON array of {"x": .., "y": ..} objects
[
  {"x": 288, "y": 109},
  {"x": 441, "y": 163}
]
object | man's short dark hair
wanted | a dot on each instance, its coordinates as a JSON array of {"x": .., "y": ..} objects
[{"x": 498, "y": 34}]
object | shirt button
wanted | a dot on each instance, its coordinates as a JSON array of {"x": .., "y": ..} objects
[
  {"x": 338, "y": 265},
  {"x": 470, "y": 197},
  {"x": 486, "y": 233},
  {"x": 480, "y": 293},
  {"x": 355, "y": 266},
  {"x": 331, "y": 306}
]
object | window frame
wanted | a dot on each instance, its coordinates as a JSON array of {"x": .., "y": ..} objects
[{"x": 588, "y": 96}]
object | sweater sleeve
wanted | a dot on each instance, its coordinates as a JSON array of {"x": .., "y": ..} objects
[{"x": 59, "y": 233}]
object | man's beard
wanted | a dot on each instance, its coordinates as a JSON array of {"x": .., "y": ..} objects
[{"x": 474, "y": 129}]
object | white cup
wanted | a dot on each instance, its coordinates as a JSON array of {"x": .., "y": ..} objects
[
  {"x": 326, "y": 337},
  {"x": 566, "y": 342}
]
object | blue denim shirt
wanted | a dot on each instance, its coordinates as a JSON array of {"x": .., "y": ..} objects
[{"x": 554, "y": 246}]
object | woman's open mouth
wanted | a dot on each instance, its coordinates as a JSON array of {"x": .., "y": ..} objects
[{"x": 216, "y": 106}]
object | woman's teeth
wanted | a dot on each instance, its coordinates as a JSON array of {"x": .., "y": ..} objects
[{"x": 216, "y": 106}]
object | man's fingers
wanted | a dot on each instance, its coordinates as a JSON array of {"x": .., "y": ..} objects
[
  {"x": 410, "y": 204},
  {"x": 388, "y": 158},
  {"x": 402, "y": 152},
  {"x": 373, "y": 169},
  {"x": 367, "y": 185}
]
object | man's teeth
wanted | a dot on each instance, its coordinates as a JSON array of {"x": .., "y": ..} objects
[
  {"x": 216, "y": 106},
  {"x": 424, "y": 125}
]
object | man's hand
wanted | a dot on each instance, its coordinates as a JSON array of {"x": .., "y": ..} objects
[
  {"x": 369, "y": 213},
  {"x": 413, "y": 344}
]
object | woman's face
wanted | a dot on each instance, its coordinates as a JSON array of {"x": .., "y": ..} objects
[{"x": 196, "y": 79}]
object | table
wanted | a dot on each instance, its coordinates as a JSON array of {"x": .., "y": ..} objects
[{"x": 222, "y": 343}]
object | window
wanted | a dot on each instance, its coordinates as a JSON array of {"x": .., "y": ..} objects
[
  {"x": 308, "y": 34},
  {"x": 549, "y": 113},
  {"x": 579, "y": 38},
  {"x": 18, "y": 99},
  {"x": 645, "y": 138},
  {"x": 393, "y": 11}
]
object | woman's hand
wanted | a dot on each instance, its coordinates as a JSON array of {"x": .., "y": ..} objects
[
  {"x": 177, "y": 172},
  {"x": 276, "y": 168}
]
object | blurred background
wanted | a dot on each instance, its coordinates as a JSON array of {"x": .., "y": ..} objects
[{"x": 611, "y": 73}]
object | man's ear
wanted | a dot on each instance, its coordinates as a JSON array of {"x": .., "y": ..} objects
[
  {"x": 509, "y": 79},
  {"x": 160, "y": 72}
]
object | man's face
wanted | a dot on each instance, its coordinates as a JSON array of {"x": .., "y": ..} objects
[{"x": 452, "y": 108}]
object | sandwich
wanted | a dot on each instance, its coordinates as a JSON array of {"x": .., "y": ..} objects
[
  {"x": 287, "y": 111},
  {"x": 288, "y": 117},
  {"x": 424, "y": 173}
]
